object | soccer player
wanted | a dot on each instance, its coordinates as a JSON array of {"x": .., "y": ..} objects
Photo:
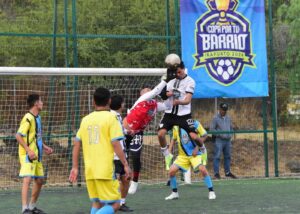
[
  {"x": 31, "y": 146},
  {"x": 180, "y": 91},
  {"x": 99, "y": 134},
  {"x": 189, "y": 155},
  {"x": 117, "y": 105},
  {"x": 145, "y": 108}
]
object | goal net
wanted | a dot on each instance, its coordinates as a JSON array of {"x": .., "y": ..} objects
[{"x": 67, "y": 95}]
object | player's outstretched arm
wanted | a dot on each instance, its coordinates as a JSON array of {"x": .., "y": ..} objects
[
  {"x": 151, "y": 94},
  {"x": 75, "y": 157}
]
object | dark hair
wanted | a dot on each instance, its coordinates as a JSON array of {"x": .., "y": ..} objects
[
  {"x": 182, "y": 65},
  {"x": 116, "y": 102},
  {"x": 101, "y": 96},
  {"x": 31, "y": 99}
]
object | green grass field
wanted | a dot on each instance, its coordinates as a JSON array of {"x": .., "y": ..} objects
[{"x": 233, "y": 196}]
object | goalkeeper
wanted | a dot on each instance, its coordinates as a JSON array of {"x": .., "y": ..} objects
[
  {"x": 189, "y": 155},
  {"x": 145, "y": 108}
]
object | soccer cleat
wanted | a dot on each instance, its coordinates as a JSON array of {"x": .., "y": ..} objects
[
  {"x": 27, "y": 211},
  {"x": 168, "y": 161},
  {"x": 124, "y": 208},
  {"x": 133, "y": 187},
  {"x": 37, "y": 211},
  {"x": 211, "y": 195},
  {"x": 173, "y": 196},
  {"x": 217, "y": 176},
  {"x": 230, "y": 175}
]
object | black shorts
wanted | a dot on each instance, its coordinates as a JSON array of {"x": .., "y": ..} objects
[
  {"x": 134, "y": 143},
  {"x": 185, "y": 122},
  {"x": 119, "y": 168}
]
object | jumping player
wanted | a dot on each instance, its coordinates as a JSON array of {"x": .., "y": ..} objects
[
  {"x": 179, "y": 91},
  {"x": 145, "y": 108}
]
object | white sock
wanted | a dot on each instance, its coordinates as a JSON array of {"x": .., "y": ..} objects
[
  {"x": 32, "y": 206},
  {"x": 165, "y": 151},
  {"x": 24, "y": 207},
  {"x": 123, "y": 201}
]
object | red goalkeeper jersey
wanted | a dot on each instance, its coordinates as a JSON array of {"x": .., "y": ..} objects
[{"x": 141, "y": 115}]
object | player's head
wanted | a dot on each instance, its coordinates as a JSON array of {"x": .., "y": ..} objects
[
  {"x": 117, "y": 102},
  {"x": 181, "y": 72},
  {"x": 145, "y": 90},
  {"x": 102, "y": 97},
  {"x": 34, "y": 101},
  {"x": 223, "y": 108}
]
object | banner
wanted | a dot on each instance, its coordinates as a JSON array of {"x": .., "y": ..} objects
[{"x": 224, "y": 47}]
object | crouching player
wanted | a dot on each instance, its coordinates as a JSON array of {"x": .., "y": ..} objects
[{"x": 189, "y": 155}]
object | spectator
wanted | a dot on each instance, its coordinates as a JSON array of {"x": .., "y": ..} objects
[{"x": 222, "y": 122}]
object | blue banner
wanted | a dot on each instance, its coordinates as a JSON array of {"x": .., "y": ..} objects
[{"x": 224, "y": 47}]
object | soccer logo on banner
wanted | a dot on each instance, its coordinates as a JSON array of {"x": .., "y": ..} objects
[
  {"x": 223, "y": 41},
  {"x": 224, "y": 47}
]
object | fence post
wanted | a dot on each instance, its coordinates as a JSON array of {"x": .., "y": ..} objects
[{"x": 274, "y": 91}]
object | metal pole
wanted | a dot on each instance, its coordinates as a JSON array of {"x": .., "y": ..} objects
[
  {"x": 265, "y": 127},
  {"x": 168, "y": 25},
  {"x": 53, "y": 64},
  {"x": 75, "y": 61},
  {"x": 177, "y": 38},
  {"x": 274, "y": 90},
  {"x": 216, "y": 105},
  {"x": 68, "y": 86}
]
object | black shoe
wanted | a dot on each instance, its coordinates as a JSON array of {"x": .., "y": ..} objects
[
  {"x": 27, "y": 211},
  {"x": 37, "y": 211},
  {"x": 230, "y": 175},
  {"x": 168, "y": 183},
  {"x": 217, "y": 176},
  {"x": 124, "y": 208}
]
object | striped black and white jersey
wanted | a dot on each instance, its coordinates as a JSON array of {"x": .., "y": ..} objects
[
  {"x": 122, "y": 142},
  {"x": 180, "y": 88}
]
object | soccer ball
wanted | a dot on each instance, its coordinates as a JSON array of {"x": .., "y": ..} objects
[
  {"x": 172, "y": 60},
  {"x": 225, "y": 69}
]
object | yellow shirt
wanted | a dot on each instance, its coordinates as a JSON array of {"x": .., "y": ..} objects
[
  {"x": 186, "y": 146},
  {"x": 96, "y": 133},
  {"x": 31, "y": 134}
]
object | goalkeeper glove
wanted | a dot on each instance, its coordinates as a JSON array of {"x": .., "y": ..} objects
[{"x": 171, "y": 74}]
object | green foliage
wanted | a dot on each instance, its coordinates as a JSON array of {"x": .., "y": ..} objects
[
  {"x": 286, "y": 31},
  {"x": 105, "y": 19}
]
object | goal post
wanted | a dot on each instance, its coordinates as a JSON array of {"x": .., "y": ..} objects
[{"x": 67, "y": 94}]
